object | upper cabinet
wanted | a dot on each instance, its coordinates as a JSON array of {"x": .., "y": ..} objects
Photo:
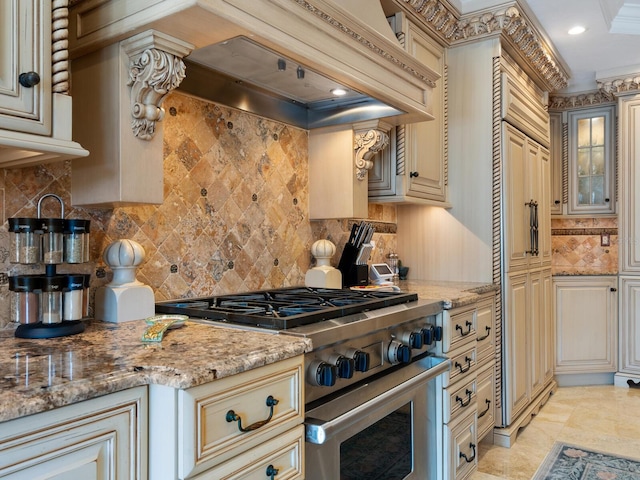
[
  {"x": 416, "y": 170},
  {"x": 35, "y": 110},
  {"x": 583, "y": 143}
]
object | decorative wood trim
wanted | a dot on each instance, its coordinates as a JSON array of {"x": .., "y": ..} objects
[
  {"x": 59, "y": 46},
  {"x": 510, "y": 22},
  {"x": 620, "y": 85},
  {"x": 377, "y": 49},
  {"x": 587, "y": 99},
  {"x": 445, "y": 126},
  {"x": 497, "y": 216},
  {"x": 367, "y": 143},
  {"x": 400, "y": 150},
  {"x": 565, "y": 163},
  {"x": 156, "y": 68}
]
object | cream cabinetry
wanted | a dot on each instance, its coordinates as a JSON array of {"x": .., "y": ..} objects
[
  {"x": 98, "y": 439},
  {"x": 629, "y": 248},
  {"x": 467, "y": 406},
  {"x": 35, "y": 122},
  {"x": 557, "y": 162},
  {"x": 416, "y": 170},
  {"x": 198, "y": 432},
  {"x": 586, "y": 329}
]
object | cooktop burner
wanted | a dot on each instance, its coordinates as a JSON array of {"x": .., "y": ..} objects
[{"x": 284, "y": 308}]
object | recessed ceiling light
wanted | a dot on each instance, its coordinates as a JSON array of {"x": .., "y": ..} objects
[
  {"x": 338, "y": 92},
  {"x": 577, "y": 30}
]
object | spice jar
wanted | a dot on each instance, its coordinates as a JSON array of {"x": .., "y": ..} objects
[
  {"x": 51, "y": 299},
  {"x": 76, "y": 241},
  {"x": 72, "y": 297},
  {"x": 25, "y": 235},
  {"x": 52, "y": 240},
  {"x": 25, "y": 291}
]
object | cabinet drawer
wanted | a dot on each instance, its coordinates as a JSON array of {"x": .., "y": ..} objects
[
  {"x": 284, "y": 453},
  {"x": 524, "y": 109},
  {"x": 486, "y": 399},
  {"x": 207, "y": 439},
  {"x": 459, "y": 399},
  {"x": 462, "y": 442},
  {"x": 462, "y": 364},
  {"x": 459, "y": 328},
  {"x": 485, "y": 319}
]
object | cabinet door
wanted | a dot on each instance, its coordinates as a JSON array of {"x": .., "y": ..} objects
[
  {"x": 99, "y": 439},
  {"x": 516, "y": 348},
  {"x": 630, "y": 325},
  {"x": 629, "y": 178},
  {"x": 517, "y": 211},
  {"x": 25, "y": 46},
  {"x": 425, "y": 152},
  {"x": 585, "y": 324},
  {"x": 543, "y": 198},
  {"x": 536, "y": 333}
]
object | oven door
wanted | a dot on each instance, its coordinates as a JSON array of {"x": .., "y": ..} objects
[{"x": 378, "y": 430}]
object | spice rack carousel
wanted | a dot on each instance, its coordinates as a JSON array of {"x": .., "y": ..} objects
[{"x": 51, "y": 304}]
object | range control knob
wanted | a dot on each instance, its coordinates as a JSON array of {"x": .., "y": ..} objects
[
  {"x": 398, "y": 353},
  {"x": 438, "y": 334},
  {"x": 413, "y": 339},
  {"x": 428, "y": 334},
  {"x": 322, "y": 374},
  {"x": 360, "y": 359},
  {"x": 346, "y": 366}
]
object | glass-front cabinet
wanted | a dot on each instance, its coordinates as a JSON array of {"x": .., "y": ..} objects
[{"x": 591, "y": 154}]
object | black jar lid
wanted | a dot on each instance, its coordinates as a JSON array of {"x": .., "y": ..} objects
[
  {"x": 75, "y": 282},
  {"x": 25, "y": 283},
  {"x": 25, "y": 225},
  {"x": 55, "y": 283},
  {"x": 52, "y": 225},
  {"x": 76, "y": 225}
]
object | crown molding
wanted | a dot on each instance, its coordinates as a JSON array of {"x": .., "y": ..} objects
[
  {"x": 585, "y": 99},
  {"x": 620, "y": 85},
  {"x": 510, "y": 22}
]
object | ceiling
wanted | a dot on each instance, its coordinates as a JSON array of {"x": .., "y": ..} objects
[{"x": 609, "y": 47}]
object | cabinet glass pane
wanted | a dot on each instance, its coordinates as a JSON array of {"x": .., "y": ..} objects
[
  {"x": 597, "y": 161},
  {"x": 597, "y": 131},
  {"x": 597, "y": 190},
  {"x": 584, "y": 159},
  {"x": 584, "y": 191},
  {"x": 584, "y": 132}
]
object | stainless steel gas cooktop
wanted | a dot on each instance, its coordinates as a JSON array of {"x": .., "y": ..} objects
[{"x": 284, "y": 308}]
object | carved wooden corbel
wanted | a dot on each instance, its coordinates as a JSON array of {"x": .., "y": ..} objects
[
  {"x": 156, "y": 68},
  {"x": 366, "y": 144}
]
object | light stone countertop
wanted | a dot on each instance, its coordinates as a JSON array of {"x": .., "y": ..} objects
[{"x": 39, "y": 375}]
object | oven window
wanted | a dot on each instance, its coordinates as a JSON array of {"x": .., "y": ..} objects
[{"x": 380, "y": 452}]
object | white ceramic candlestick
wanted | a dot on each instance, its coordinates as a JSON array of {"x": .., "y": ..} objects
[
  {"x": 323, "y": 275},
  {"x": 124, "y": 298}
]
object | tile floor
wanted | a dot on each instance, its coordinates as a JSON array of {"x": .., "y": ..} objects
[{"x": 604, "y": 418}]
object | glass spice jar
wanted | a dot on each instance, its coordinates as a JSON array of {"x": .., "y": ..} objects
[
  {"x": 75, "y": 241},
  {"x": 51, "y": 299},
  {"x": 25, "y": 240},
  {"x": 25, "y": 298},
  {"x": 52, "y": 240},
  {"x": 73, "y": 297}
]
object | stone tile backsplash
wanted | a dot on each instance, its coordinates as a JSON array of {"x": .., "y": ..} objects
[
  {"x": 234, "y": 216},
  {"x": 576, "y": 246}
]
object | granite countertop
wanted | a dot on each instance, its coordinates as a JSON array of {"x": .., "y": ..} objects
[
  {"x": 451, "y": 294},
  {"x": 38, "y": 375}
]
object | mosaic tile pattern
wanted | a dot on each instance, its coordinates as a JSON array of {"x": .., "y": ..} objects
[
  {"x": 576, "y": 246},
  {"x": 234, "y": 216}
]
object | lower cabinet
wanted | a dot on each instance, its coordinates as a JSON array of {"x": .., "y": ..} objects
[
  {"x": 586, "y": 329},
  {"x": 237, "y": 427},
  {"x": 99, "y": 439},
  {"x": 629, "y": 367},
  {"x": 464, "y": 400}
]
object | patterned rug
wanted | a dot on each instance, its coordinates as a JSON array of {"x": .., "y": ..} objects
[{"x": 569, "y": 462}]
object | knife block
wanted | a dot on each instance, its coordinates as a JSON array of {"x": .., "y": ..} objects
[{"x": 352, "y": 274}]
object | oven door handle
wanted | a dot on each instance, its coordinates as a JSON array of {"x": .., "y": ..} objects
[{"x": 318, "y": 431}]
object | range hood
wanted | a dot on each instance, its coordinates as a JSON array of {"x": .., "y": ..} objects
[{"x": 243, "y": 74}]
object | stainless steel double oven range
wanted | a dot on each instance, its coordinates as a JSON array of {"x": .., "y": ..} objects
[{"x": 369, "y": 384}]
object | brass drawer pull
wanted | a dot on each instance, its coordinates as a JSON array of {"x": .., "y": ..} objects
[{"x": 232, "y": 417}]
